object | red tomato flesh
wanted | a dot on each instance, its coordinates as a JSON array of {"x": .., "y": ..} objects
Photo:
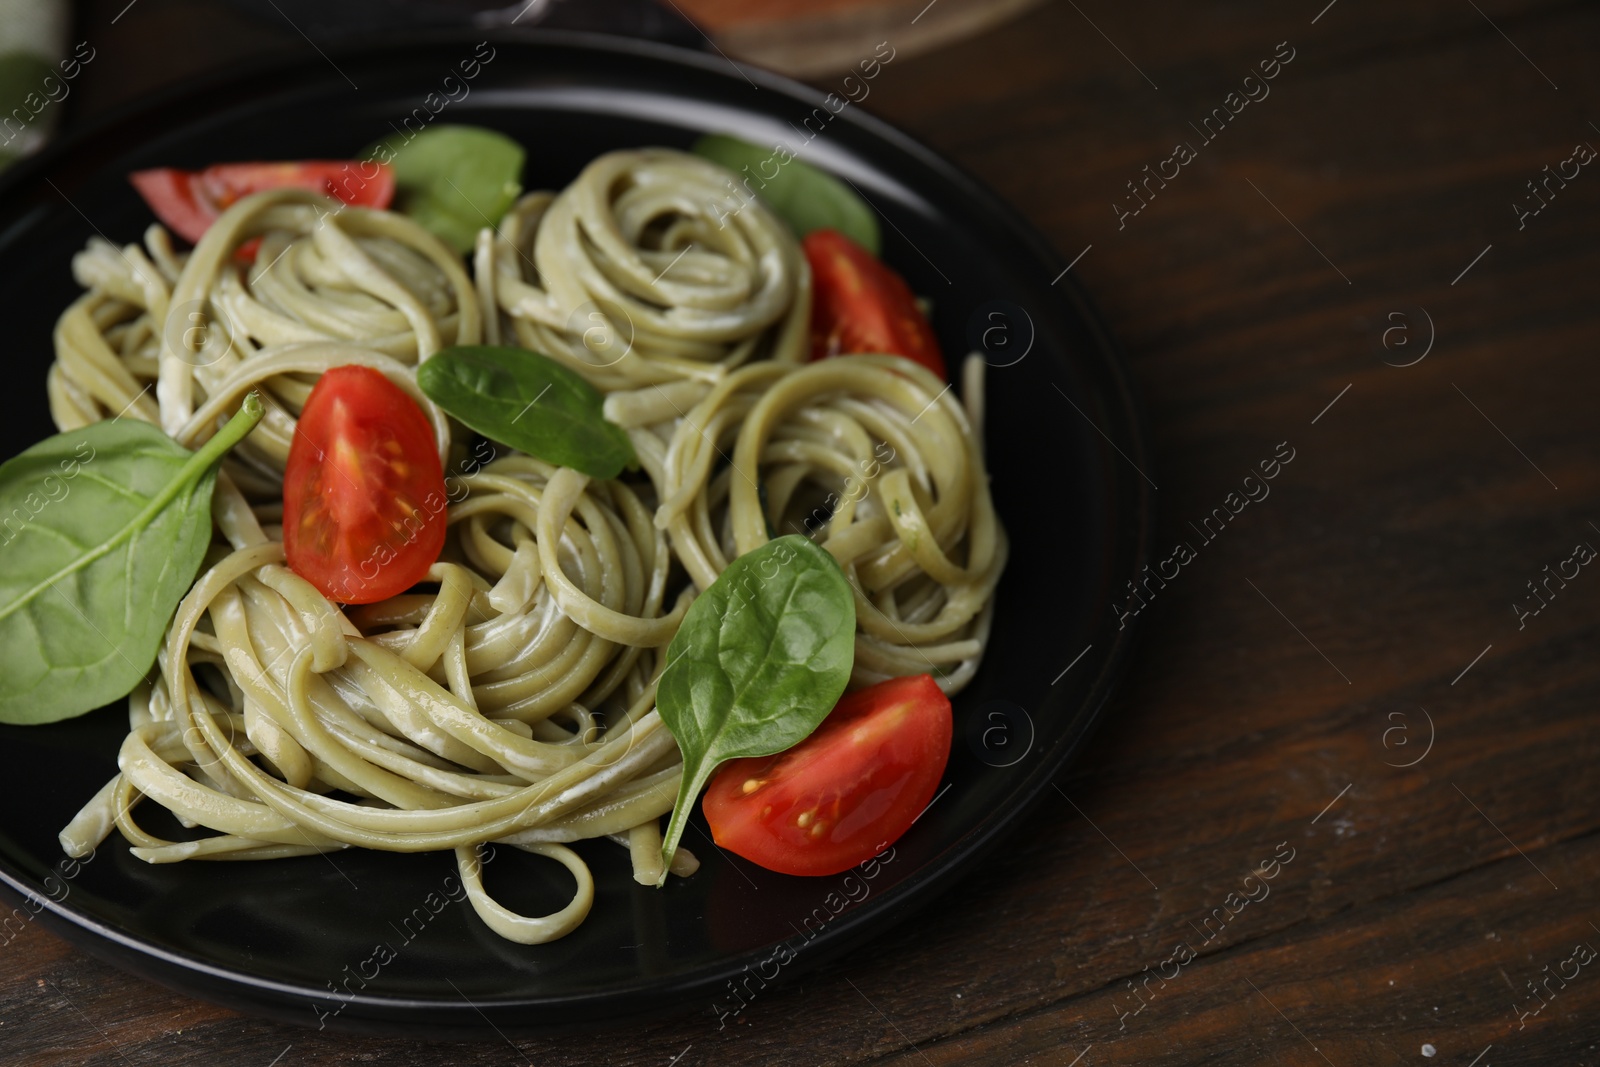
[
  {"x": 364, "y": 504},
  {"x": 188, "y": 201},
  {"x": 860, "y": 305},
  {"x": 845, "y": 793}
]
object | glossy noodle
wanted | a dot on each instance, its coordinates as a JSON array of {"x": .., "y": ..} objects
[{"x": 510, "y": 697}]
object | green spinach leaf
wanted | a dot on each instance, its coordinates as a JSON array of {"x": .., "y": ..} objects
[
  {"x": 529, "y": 402},
  {"x": 761, "y": 658},
  {"x": 103, "y": 530},
  {"x": 801, "y": 195},
  {"x": 453, "y": 180}
]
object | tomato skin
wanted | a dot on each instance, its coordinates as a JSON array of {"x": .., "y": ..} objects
[
  {"x": 859, "y": 304},
  {"x": 364, "y": 501},
  {"x": 188, "y": 201},
  {"x": 171, "y": 195},
  {"x": 845, "y": 793}
]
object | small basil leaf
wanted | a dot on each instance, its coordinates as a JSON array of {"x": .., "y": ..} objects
[
  {"x": 529, "y": 402},
  {"x": 453, "y": 180},
  {"x": 761, "y": 658},
  {"x": 801, "y": 195},
  {"x": 104, "y": 528}
]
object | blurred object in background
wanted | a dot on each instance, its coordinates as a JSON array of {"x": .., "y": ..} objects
[
  {"x": 33, "y": 73},
  {"x": 146, "y": 45},
  {"x": 808, "y": 38},
  {"x": 803, "y": 38},
  {"x": 352, "y": 19}
]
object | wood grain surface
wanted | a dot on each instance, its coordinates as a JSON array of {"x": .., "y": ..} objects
[{"x": 1337, "y": 686}]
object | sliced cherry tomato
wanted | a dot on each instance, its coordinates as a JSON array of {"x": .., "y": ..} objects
[
  {"x": 860, "y": 305},
  {"x": 845, "y": 793},
  {"x": 363, "y": 493},
  {"x": 189, "y": 200}
]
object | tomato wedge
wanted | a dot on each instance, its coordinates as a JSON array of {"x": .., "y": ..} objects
[
  {"x": 845, "y": 793},
  {"x": 188, "y": 201},
  {"x": 860, "y": 305},
  {"x": 364, "y": 504}
]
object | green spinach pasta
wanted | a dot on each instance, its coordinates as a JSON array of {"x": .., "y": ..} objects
[{"x": 510, "y": 694}]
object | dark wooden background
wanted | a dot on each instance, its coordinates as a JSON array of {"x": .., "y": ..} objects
[{"x": 1319, "y": 642}]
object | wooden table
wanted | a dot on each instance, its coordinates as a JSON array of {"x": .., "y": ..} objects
[{"x": 1341, "y": 676}]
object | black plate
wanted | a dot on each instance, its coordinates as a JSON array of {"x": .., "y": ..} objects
[{"x": 298, "y": 939}]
